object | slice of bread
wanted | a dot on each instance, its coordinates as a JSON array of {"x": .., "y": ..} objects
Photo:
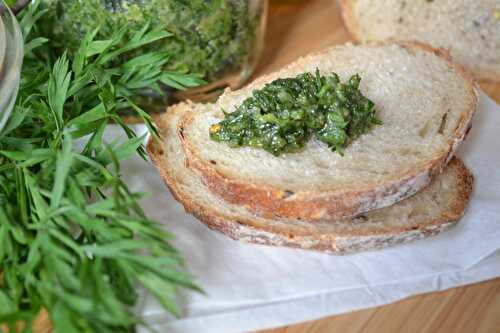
[
  {"x": 469, "y": 29},
  {"x": 424, "y": 101},
  {"x": 429, "y": 212}
]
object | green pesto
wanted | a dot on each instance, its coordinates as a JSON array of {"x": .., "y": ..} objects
[
  {"x": 286, "y": 113},
  {"x": 210, "y": 37}
]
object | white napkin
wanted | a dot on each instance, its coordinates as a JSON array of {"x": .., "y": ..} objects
[{"x": 252, "y": 287}]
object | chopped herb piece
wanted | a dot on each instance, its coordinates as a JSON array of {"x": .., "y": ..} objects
[{"x": 286, "y": 113}]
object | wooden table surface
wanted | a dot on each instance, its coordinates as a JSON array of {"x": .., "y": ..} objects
[{"x": 295, "y": 28}]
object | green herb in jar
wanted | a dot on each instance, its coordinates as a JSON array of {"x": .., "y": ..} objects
[
  {"x": 209, "y": 37},
  {"x": 286, "y": 113}
]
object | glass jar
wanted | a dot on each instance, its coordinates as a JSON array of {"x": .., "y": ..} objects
[
  {"x": 11, "y": 57},
  {"x": 236, "y": 74},
  {"x": 219, "y": 39}
]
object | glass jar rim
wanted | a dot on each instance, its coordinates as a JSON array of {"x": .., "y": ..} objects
[{"x": 11, "y": 56}]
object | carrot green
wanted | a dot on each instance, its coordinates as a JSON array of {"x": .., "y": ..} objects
[{"x": 74, "y": 239}]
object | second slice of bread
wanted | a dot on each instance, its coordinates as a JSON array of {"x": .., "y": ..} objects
[
  {"x": 469, "y": 29},
  {"x": 427, "y": 213},
  {"x": 424, "y": 101}
]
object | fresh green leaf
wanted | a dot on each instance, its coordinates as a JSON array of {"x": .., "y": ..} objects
[{"x": 63, "y": 166}]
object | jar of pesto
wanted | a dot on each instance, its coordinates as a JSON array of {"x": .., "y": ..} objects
[
  {"x": 218, "y": 39},
  {"x": 11, "y": 57}
]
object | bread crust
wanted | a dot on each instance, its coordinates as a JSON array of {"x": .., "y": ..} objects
[
  {"x": 341, "y": 242},
  {"x": 270, "y": 201},
  {"x": 347, "y": 15},
  {"x": 354, "y": 31}
]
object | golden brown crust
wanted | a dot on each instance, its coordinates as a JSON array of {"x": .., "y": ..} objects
[
  {"x": 348, "y": 19},
  {"x": 465, "y": 182},
  {"x": 270, "y": 201}
]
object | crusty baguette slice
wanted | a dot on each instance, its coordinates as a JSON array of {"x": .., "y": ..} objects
[
  {"x": 469, "y": 29},
  {"x": 425, "y": 102},
  {"x": 429, "y": 212}
]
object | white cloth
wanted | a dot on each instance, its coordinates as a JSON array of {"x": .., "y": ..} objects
[{"x": 252, "y": 287}]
